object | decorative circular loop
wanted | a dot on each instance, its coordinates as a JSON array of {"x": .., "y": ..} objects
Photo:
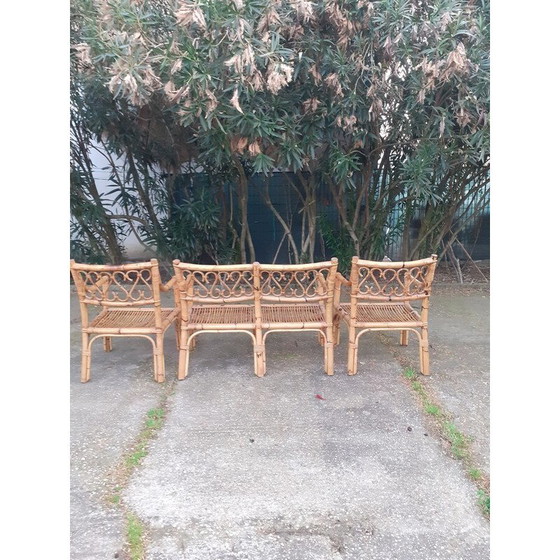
[
  {"x": 222, "y": 284},
  {"x": 294, "y": 283},
  {"x": 393, "y": 282},
  {"x": 118, "y": 286}
]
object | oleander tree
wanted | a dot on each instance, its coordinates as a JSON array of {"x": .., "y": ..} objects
[{"x": 384, "y": 102}]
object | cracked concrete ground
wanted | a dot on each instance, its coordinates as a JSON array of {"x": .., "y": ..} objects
[{"x": 249, "y": 468}]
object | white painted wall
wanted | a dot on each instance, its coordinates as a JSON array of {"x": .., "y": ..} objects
[{"x": 134, "y": 250}]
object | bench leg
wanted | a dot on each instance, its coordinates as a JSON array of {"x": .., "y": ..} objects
[
  {"x": 260, "y": 354},
  {"x": 260, "y": 361},
  {"x": 107, "y": 343}
]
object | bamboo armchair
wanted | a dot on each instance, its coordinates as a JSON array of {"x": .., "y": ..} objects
[
  {"x": 380, "y": 299},
  {"x": 130, "y": 300},
  {"x": 296, "y": 298},
  {"x": 214, "y": 299}
]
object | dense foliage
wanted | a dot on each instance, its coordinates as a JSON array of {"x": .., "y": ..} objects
[{"x": 385, "y": 102}]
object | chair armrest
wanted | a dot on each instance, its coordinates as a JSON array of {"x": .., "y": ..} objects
[
  {"x": 166, "y": 287},
  {"x": 341, "y": 280}
]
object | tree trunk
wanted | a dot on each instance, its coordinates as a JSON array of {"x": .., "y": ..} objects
[{"x": 245, "y": 239}]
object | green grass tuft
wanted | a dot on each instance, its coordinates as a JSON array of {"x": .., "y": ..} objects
[
  {"x": 458, "y": 441},
  {"x": 134, "y": 537},
  {"x": 432, "y": 409},
  {"x": 484, "y": 501},
  {"x": 409, "y": 373},
  {"x": 475, "y": 474}
]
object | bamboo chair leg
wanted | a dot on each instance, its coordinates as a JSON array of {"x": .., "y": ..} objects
[
  {"x": 352, "y": 351},
  {"x": 325, "y": 359},
  {"x": 336, "y": 333},
  {"x": 187, "y": 355},
  {"x": 178, "y": 332},
  {"x": 183, "y": 354},
  {"x": 159, "y": 372},
  {"x": 329, "y": 352},
  {"x": 107, "y": 343},
  {"x": 86, "y": 358},
  {"x": 404, "y": 338},
  {"x": 424, "y": 352}
]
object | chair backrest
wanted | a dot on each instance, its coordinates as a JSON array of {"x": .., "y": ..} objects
[
  {"x": 392, "y": 281},
  {"x": 124, "y": 285},
  {"x": 214, "y": 284},
  {"x": 298, "y": 283}
]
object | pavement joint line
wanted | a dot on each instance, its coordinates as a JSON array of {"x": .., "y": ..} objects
[
  {"x": 120, "y": 476},
  {"x": 436, "y": 424}
]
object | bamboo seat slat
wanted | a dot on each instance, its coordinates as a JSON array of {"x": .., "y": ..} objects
[
  {"x": 142, "y": 320},
  {"x": 305, "y": 315},
  {"x": 374, "y": 313},
  {"x": 221, "y": 316}
]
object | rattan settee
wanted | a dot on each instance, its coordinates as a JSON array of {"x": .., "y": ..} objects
[
  {"x": 128, "y": 301},
  {"x": 381, "y": 294},
  {"x": 257, "y": 300}
]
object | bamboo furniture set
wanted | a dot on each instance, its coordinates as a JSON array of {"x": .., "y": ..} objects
[{"x": 256, "y": 299}]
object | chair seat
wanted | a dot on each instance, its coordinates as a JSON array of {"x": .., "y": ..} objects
[
  {"x": 128, "y": 320},
  {"x": 293, "y": 316},
  {"x": 221, "y": 317},
  {"x": 382, "y": 314}
]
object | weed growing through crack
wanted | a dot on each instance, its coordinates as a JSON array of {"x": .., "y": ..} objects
[
  {"x": 433, "y": 409},
  {"x": 484, "y": 501},
  {"x": 153, "y": 422},
  {"x": 475, "y": 474},
  {"x": 409, "y": 373},
  {"x": 458, "y": 442},
  {"x": 134, "y": 534}
]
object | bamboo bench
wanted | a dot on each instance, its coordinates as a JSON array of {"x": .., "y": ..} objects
[{"x": 257, "y": 300}]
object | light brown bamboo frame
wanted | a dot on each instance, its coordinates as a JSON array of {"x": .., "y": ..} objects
[
  {"x": 380, "y": 296},
  {"x": 257, "y": 300},
  {"x": 130, "y": 299},
  {"x": 213, "y": 299},
  {"x": 301, "y": 299}
]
